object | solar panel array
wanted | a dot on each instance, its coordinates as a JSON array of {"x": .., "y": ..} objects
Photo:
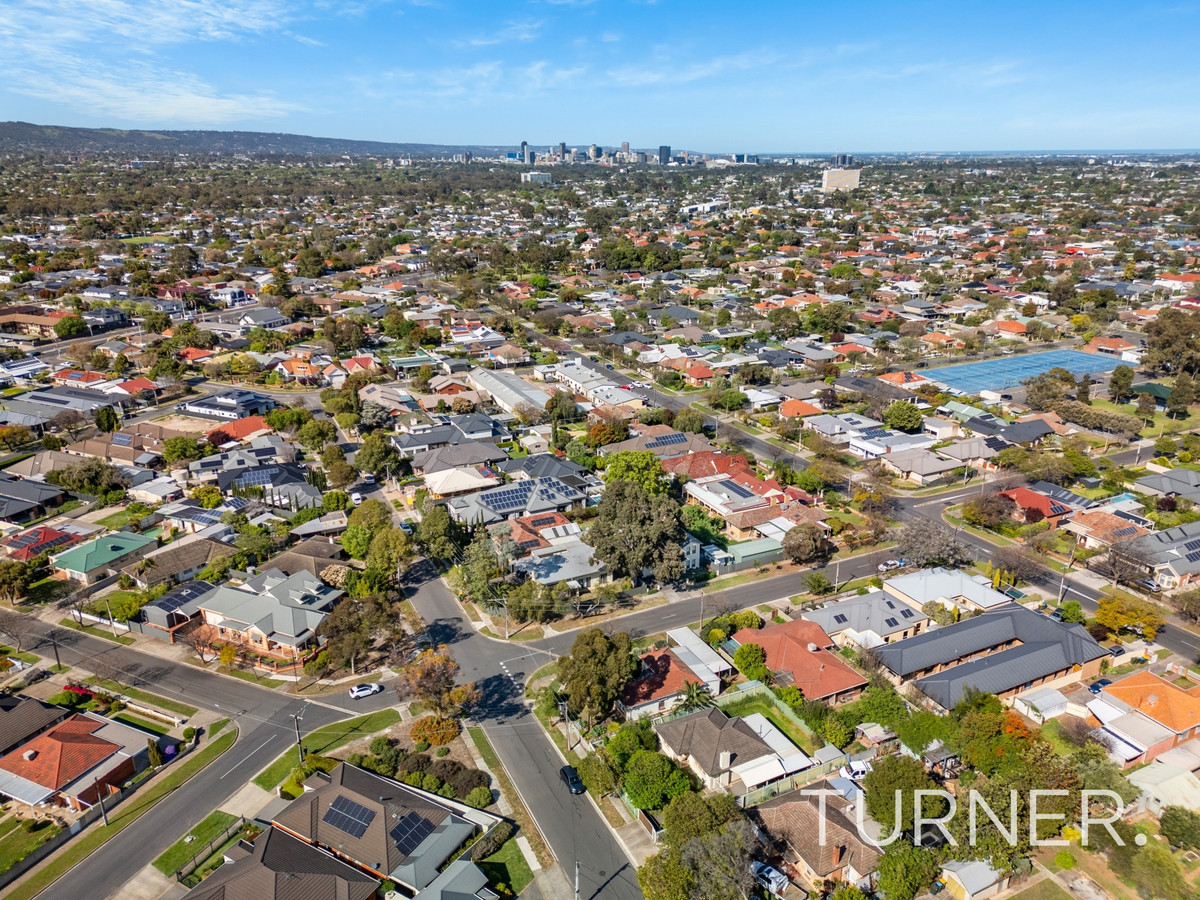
[
  {"x": 259, "y": 477},
  {"x": 1193, "y": 556},
  {"x": 1192, "y": 545},
  {"x": 122, "y": 440},
  {"x": 840, "y": 619},
  {"x": 906, "y": 613},
  {"x": 410, "y": 831},
  {"x": 667, "y": 440},
  {"x": 1126, "y": 531},
  {"x": 542, "y": 520},
  {"x": 346, "y": 815},
  {"x": 172, "y": 600},
  {"x": 891, "y": 623},
  {"x": 738, "y": 490}
]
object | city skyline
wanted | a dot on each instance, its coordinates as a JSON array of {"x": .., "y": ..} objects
[{"x": 775, "y": 78}]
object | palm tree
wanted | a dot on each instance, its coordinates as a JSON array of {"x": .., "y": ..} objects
[{"x": 695, "y": 696}]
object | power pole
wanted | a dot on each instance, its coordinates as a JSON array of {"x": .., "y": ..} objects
[
  {"x": 577, "y": 880},
  {"x": 299, "y": 746},
  {"x": 104, "y": 812}
]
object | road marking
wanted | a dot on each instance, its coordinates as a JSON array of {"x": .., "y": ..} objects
[{"x": 248, "y": 755}]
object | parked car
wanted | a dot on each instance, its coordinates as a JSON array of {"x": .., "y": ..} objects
[
  {"x": 572, "y": 780},
  {"x": 889, "y": 565},
  {"x": 1099, "y": 685},
  {"x": 406, "y": 527},
  {"x": 1114, "y": 652},
  {"x": 368, "y": 478},
  {"x": 1148, "y": 584},
  {"x": 365, "y": 690},
  {"x": 1056, "y": 615},
  {"x": 855, "y": 770},
  {"x": 356, "y": 498},
  {"x": 769, "y": 878}
]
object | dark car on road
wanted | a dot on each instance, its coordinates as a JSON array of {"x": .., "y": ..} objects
[
  {"x": 1099, "y": 685},
  {"x": 572, "y": 780}
]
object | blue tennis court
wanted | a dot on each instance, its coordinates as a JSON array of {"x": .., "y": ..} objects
[{"x": 1010, "y": 371}]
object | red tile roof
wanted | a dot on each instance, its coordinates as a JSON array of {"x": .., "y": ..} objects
[
  {"x": 60, "y": 755},
  {"x": 818, "y": 673},
  {"x": 30, "y": 544},
  {"x": 706, "y": 462},
  {"x": 663, "y": 675},
  {"x": 237, "y": 430},
  {"x": 133, "y": 385}
]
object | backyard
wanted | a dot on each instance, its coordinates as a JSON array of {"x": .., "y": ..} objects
[{"x": 760, "y": 704}]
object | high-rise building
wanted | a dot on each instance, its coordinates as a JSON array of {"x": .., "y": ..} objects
[
  {"x": 536, "y": 178},
  {"x": 640, "y": 158},
  {"x": 525, "y": 152},
  {"x": 664, "y": 154},
  {"x": 562, "y": 149},
  {"x": 843, "y": 160},
  {"x": 593, "y": 152},
  {"x": 625, "y": 147}
]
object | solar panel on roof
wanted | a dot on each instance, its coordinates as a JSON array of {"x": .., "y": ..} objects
[
  {"x": 906, "y": 613},
  {"x": 840, "y": 619},
  {"x": 1193, "y": 556},
  {"x": 1125, "y": 532},
  {"x": 740, "y": 490},
  {"x": 891, "y": 623},
  {"x": 410, "y": 831},
  {"x": 346, "y": 815},
  {"x": 1192, "y": 545},
  {"x": 122, "y": 440}
]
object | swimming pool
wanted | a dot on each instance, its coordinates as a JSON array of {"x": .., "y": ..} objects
[{"x": 1010, "y": 371}]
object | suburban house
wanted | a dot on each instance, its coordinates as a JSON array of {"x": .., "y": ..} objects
[
  {"x": 973, "y": 879},
  {"x": 1033, "y": 506},
  {"x": 1143, "y": 716},
  {"x": 278, "y": 866},
  {"x": 28, "y": 545},
  {"x": 511, "y": 501},
  {"x": 952, "y": 588},
  {"x": 231, "y": 404},
  {"x": 796, "y": 823},
  {"x": 798, "y": 654},
  {"x": 1005, "y": 650},
  {"x": 919, "y": 466},
  {"x": 385, "y": 828},
  {"x": 24, "y": 718},
  {"x": 1097, "y": 529},
  {"x": 103, "y": 556},
  {"x": 570, "y": 562},
  {"x": 272, "y": 613},
  {"x": 658, "y": 686},
  {"x": 72, "y": 762},
  {"x": 1171, "y": 557},
  {"x": 177, "y": 562},
  {"x": 869, "y": 620}
]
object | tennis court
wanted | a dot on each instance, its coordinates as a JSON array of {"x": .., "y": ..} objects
[{"x": 1010, "y": 371}]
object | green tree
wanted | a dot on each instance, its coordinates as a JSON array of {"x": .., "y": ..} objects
[
  {"x": 749, "y": 658},
  {"x": 640, "y": 466},
  {"x": 596, "y": 671},
  {"x": 664, "y": 877},
  {"x": 1072, "y": 613},
  {"x": 1158, "y": 874},
  {"x": 695, "y": 696},
  {"x": 903, "y": 416},
  {"x": 689, "y": 420},
  {"x": 70, "y": 327},
  {"x": 1120, "y": 384},
  {"x": 1123, "y": 611},
  {"x": 356, "y": 540},
  {"x": 372, "y": 514},
  {"x": 1146, "y": 405},
  {"x": 315, "y": 434},
  {"x": 390, "y": 551},
  {"x": 155, "y": 322},
  {"x": 182, "y": 449},
  {"x": 634, "y": 531},
  {"x": 437, "y": 533},
  {"x": 892, "y": 776},
  {"x": 685, "y": 817},
  {"x": 652, "y": 779},
  {"x": 154, "y": 753},
  {"x": 341, "y": 474},
  {"x": 1181, "y": 826},
  {"x": 15, "y": 579},
  {"x": 335, "y": 500},
  {"x": 209, "y": 496},
  {"x": 376, "y": 455},
  {"x": 804, "y": 542},
  {"x": 107, "y": 419},
  {"x": 1183, "y": 392},
  {"x": 906, "y": 870}
]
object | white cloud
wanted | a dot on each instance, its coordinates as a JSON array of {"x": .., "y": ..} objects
[
  {"x": 511, "y": 33},
  {"x": 610, "y": 37},
  {"x": 675, "y": 74},
  {"x": 140, "y": 92}
]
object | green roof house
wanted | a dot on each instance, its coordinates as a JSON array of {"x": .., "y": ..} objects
[{"x": 105, "y": 555}]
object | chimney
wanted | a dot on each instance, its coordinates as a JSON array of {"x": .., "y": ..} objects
[
  {"x": 812, "y": 648},
  {"x": 29, "y": 755},
  {"x": 1152, "y": 699},
  {"x": 725, "y": 759}
]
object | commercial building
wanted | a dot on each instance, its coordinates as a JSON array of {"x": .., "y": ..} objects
[{"x": 839, "y": 180}]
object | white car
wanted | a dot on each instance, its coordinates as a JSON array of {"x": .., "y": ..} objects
[
  {"x": 770, "y": 878},
  {"x": 889, "y": 565},
  {"x": 365, "y": 690},
  {"x": 356, "y": 498},
  {"x": 855, "y": 771}
]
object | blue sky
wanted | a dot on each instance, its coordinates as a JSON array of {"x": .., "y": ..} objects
[{"x": 715, "y": 76}]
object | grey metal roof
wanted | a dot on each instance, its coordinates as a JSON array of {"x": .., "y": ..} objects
[{"x": 870, "y": 612}]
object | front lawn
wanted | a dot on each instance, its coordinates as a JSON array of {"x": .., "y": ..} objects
[
  {"x": 1046, "y": 889},
  {"x": 139, "y": 722},
  {"x": 323, "y": 740},
  {"x": 96, "y": 632},
  {"x": 145, "y": 697},
  {"x": 16, "y": 843},
  {"x": 507, "y": 870},
  {"x": 48, "y": 590},
  {"x": 10, "y": 653},
  {"x": 119, "y": 519},
  {"x": 181, "y": 852}
]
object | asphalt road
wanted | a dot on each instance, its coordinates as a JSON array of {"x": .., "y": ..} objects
[
  {"x": 264, "y": 718},
  {"x": 574, "y": 829}
]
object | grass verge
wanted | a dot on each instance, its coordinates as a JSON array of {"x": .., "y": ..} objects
[
  {"x": 10, "y": 653},
  {"x": 16, "y": 843},
  {"x": 205, "y": 832},
  {"x": 250, "y": 676},
  {"x": 145, "y": 697},
  {"x": 96, "y": 632},
  {"x": 324, "y": 740},
  {"x": 217, "y": 727},
  {"x": 520, "y": 813},
  {"x": 125, "y": 815}
]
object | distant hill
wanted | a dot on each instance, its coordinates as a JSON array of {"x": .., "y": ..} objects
[{"x": 22, "y": 137}]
